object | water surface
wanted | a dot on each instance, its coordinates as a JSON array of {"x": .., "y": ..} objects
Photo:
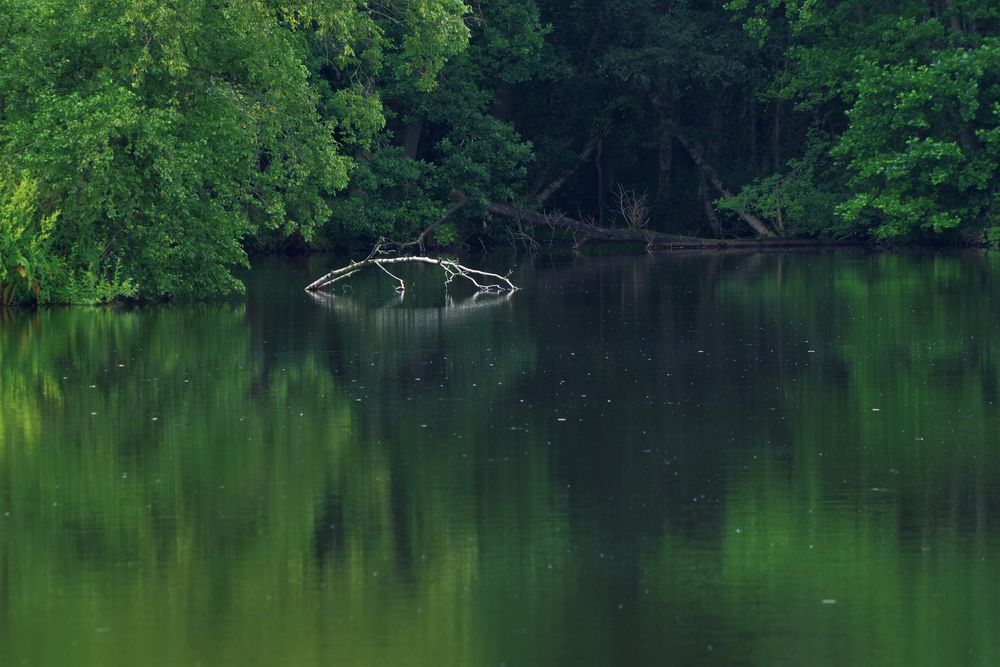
[{"x": 771, "y": 459}]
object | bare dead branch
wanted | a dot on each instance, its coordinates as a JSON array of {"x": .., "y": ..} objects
[
  {"x": 634, "y": 208},
  {"x": 399, "y": 288},
  {"x": 482, "y": 280}
]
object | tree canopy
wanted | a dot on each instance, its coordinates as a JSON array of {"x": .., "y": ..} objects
[
  {"x": 147, "y": 146},
  {"x": 164, "y": 134}
]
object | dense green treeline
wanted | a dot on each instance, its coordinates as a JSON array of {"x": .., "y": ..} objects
[{"x": 147, "y": 146}]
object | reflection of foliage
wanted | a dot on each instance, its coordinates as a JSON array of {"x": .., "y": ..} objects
[
  {"x": 388, "y": 482},
  {"x": 757, "y": 475},
  {"x": 798, "y": 574},
  {"x": 157, "y": 468}
]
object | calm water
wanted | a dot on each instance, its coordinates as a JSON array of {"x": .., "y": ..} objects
[{"x": 721, "y": 460}]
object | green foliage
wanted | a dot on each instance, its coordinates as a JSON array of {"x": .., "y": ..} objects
[
  {"x": 391, "y": 196},
  {"x": 914, "y": 143},
  {"x": 458, "y": 141},
  {"x": 436, "y": 33},
  {"x": 31, "y": 269},
  {"x": 918, "y": 92},
  {"x": 487, "y": 157},
  {"x": 171, "y": 137},
  {"x": 167, "y": 133},
  {"x": 25, "y": 252},
  {"x": 802, "y": 198},
  {"x": 993, "y": 235},
  {"x": 509, "y": 41}
]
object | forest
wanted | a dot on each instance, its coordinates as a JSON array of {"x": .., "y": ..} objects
[{"x": 147, "y": 148}]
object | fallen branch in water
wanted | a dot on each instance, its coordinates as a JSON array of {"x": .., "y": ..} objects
[
  {"x": 583, "y": 231},
  {"x": 484, "y": 281}
]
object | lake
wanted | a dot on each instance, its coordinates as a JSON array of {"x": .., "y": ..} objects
[{"x": 692, "y": 459}]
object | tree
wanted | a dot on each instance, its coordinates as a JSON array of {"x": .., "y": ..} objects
[
  {"x": 167, "y": 133},
  {"x": 911, "y": 95},
  {"x": 460, "y": 135},
  {"x": 668, "y": 91}
]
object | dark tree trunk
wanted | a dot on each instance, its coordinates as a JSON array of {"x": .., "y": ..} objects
[
  {"x": 715, "y": 122},
  {"x": 709, "y": 172},
  {"x": 599, "y": 165},
  {"x": 706, "y": 201},
  {"x": 588, "y": 231},
  {"x": 954, "y": 17},
  {"x": 776, "y": 138},
  {"x": 553, "y": 187},
  {"x": 411, "y": 138},
  {"x": 503, "y": 103},
  {"x": 666, "y": 167},
  {"x": 713, "y": 178}
]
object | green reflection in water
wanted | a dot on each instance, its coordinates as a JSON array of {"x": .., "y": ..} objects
[{"x": 747, "y": 459}]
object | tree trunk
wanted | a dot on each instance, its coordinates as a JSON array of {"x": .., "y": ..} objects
[
  {"x": 706, "y": 201},
  {"x": 555, "y": 185},
  {"x": 666, "y": 167},
  {"x": 652, "y": 239},
  {"x": 599, "y": 165},
  {"x": 954, "y": 17},
  {"x": 411, "y": 138},
  {"x": 713, "y": 155},
  {"x": 503, "y": 103},
  {"x": 715, "y": 118},
  {"x": 776, "y": 138},
  {"x": 756, "y": 223}
]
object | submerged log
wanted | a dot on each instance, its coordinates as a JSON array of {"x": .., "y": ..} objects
[
  {"x": 584, "y": 231},
  {"x": 483, "y": 280}
]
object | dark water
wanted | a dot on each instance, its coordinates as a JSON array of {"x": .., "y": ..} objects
[{"x": 721, "y": 460}]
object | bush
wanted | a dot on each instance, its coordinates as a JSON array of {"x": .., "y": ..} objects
[
  {"x": 25, "y": 255},
  {"x": 31, "y": 269}
]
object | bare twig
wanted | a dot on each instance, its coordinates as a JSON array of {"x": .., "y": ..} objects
[
  {"x": 399, "y": 288},
  {"x": 634, "y": 208}
]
